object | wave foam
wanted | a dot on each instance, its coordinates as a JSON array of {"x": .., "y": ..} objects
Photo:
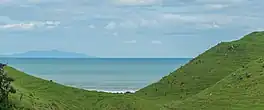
[{"x": 108, "y": 91}]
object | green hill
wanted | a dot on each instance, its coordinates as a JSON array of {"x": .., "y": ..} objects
[
  {"x": 241, "y": 90},
  {"x": 227, "y": 76},
  {"x": 207, "y": 69}
]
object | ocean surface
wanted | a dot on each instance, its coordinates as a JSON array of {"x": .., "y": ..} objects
[{"x": 110, "y": 75}]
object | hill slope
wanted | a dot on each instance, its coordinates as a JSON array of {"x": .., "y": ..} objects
[
  {"x": 207, "y": 69},
  {"x": 208, "y": 73},
  {"x": 241, "y": 90}
]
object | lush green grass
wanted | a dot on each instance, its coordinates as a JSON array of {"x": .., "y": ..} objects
[
  {"x": 186, "y": 88},
  {"x": 207, "y": 69},
  {"x": 241, "y": 90}
]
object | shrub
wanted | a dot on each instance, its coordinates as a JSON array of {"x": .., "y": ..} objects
[
  {"x": 5, "y": 85},
  {"x": 128, "y": 92},
  {"x": 248, "y": 75},
  {"x": 182, "y": 83}
]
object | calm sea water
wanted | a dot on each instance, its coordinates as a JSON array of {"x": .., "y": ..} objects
[{"x": 99, "y": 74}]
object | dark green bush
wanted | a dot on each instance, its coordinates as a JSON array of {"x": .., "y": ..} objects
[{"x": 5, "y": 85}]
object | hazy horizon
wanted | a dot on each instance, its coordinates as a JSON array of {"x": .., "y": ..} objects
[
  {"x": 125, "y": 28},
  {"x": 24, "y": 55}
]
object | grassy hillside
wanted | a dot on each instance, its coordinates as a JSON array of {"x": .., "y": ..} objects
[
  {"x": 207, "y": 69},
  {"x": 241, "y": 90},
  {"x": 187, "y": 88}
]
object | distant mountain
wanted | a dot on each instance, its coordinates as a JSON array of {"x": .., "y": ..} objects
[{"x": 48, "y": 54}]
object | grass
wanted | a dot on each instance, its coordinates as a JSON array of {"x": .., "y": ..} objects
[
  {"x": 241, "y": 90},
  {"x": 227, "y": 76},
  {"x": 207, "y": 69}
]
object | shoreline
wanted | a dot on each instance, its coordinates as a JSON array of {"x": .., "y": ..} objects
[
  {"x": 106, "y": 91},
  {"x": 101, "y": 90},
  {"x": 109, "y": 91}
]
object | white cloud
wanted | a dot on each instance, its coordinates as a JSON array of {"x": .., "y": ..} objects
[
  {"x": 221, "y": 1},
  {"x": 156, "y": 42},
  {"x": 132, "y": 24},
  {"x": 199, "y": 19},
  {"x": 43, "y": 1},
  {"x": 216, "y": 6},
  {"x": 55, "y": 23},
  {"x": 30, "y": 25},
  {"x": 138, "y": 2},
  {"x": 182, "y": 18},
  {"x": 111, "y": 25},
  {"x": 214, "y": 25},
  {"x": 208, "y": 26},
  {"x": 91, "y": 26},
  {"x": 131, "y": 42},
  {"x": 18, "y": 26}
]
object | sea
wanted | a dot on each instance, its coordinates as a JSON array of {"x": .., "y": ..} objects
[{"x": 99, "y": 74}]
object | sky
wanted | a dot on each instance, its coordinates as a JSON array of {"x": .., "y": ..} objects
[{"x": 126, "y": 28}]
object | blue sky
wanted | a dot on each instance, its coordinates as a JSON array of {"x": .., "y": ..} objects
[{"x": 126, "y": 28}]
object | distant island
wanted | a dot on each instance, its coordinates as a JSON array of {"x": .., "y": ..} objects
[{"x": 47, "y": 54}]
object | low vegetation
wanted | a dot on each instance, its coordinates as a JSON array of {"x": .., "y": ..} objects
[
  {"x": 241, "y": 90},
  {"x": 5, "y": 88},
  {"x": 227, "y": 76}
]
